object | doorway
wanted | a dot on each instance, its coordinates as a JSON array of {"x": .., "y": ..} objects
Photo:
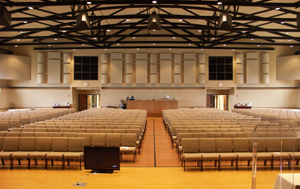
[
  {"x": 217, "y": 101},
  {"x": 88, "y": 101}
]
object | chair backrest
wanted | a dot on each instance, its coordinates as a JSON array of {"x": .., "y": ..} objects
[
  {"x": 180, "y": 136},
  {"x": 261, "y": 145},
  {"x": 87, "y": 136},
  {"x": 240, "y": 145},
  {"x": 60, "y": 144},
  {"x": 41, "y": 134},
  {"x": 27, "y": 134},
  {"x": 136, "y": 131},
  {"x": 119, "y": 130},
  {"x": 207, "y": 145},
  {"x": 66, "y": 130},
  {"x": 98, "y": 139},
  {"x": 27, "y": 144},
  {"x": 4, "y": 125},
  {"x": 3, "y": 133},
  {"x": 16, "y": 129},
  {"x": 190, "y": 145},
  {"x": 54, "y": 130},
  {"x": 69, "y": 134},
  {"x": 113, "y": 140},
  {"x": 209, "y": 130},
  {"x": 214, "y": 135},
  {"x": 43, "y": 144},
  {"x": 106, "y": 130},
  {"x": 128, "y": 139},
  {"x": 197, "y": 130},
  {"x": 13, "y": 134},
  {"x": 76, "y": 144},
  {"x": 289, "y": 145},
  {"x": 222, "y": 130},
  {"x": 1, "y": 143},
  {"x": 55, "y": 134},
  {"x": 234, "y": 129},
  {"x": 27, "y": 129},
  {"x": 229, "y": 134},
  {"x": 273, "y": 145},
  {"x": 79, "y": 130},
  {"x": 199, "y": 135},
  {"x": 93, "y": 130},
  {"x": 224, "y": 144},
  {"x": 11, "y": 144}
]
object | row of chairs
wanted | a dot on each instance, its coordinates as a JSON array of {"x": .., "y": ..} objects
[{"x": 237, "y": 149}]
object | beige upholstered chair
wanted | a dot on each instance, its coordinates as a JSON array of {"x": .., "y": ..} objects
[
  {"x": 41, "y": 134},
  {"x": 93, "y": 130},
  {"x": 26, "y": 146},
  {"x": 207, "y": 148},
  {"x": 113, "y": 140},
  {"x": 41, "y": 130},
  {"x": 261, "y": 150},
  {"x": 13, "y": 134},
  {"x": 59, "y": 148},
  {"x": 27, "y": 134},
  {"x": 274, "y": 147},
  {"x": 119, "y": 130},
  {"x": 42, "y": 147},
  {"x": 190, "y": 151},
  {"x": 229, "y": 134},
  {"x": 79, "y": 130},
  {"x": 14, "y": 123},
  {"x": 16, "y": 129},
  {"x": 55, "y": 134},
  {"x": 179, "y": 141},
  {"x": 214, "y": 135},
  {"x": 10, "y": 145},
  {"x": 1, "y": 143},
  {"x": 106, "y": 130},
  {"x": 69, "y": 134},
  {"x": 98, "y": 139},
  {"x": 3, "y": 133},
  {"x": 242, "y": 149},
  {"x": 128, "y": 144},
  {"x": 224, "y": 149},
  {"x": 76, "y": 148}
]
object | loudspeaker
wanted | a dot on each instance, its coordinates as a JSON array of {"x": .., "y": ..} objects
[
  {"x": 82, "y": 21},
  {"x": 5, "y": 16},
  {"x": 225, "y": 21},
  {"x": 154, "y": 22}
]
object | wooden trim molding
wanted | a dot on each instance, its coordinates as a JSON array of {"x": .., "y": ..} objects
[{"x": 267, "y": 88}]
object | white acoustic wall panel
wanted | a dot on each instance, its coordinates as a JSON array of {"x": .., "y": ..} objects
[
  {"x": 239, "y": 58},
  {"x": 141, "y": 73},
  {"x": 67, "y": 78},
  {"x": 41, "y": 78},
  {"x": 153, "y": 68},
  {"x": 129, "y": 58},
  {"x": 104, "y": 68},
  {"x": 41, "y": 68},
  {"x": 141, "y": 56},
  {"x": 104, "y": 79},
  {"x": 239, "y": 68},
  {"x": 251, "y": 55},
  {"x": 116, "y": 56},
  {"x": 104, "y": 58},
  {"x": 67, "y": 57},
  {"x": 189, "y": 56},
  {"x": 202, "y": 58},
  {"x": 265, "y": 57},
  {"x": 165, "y": 56},
  {"x": 153, "y": 79},
  {"x": 252, "y": 71},
  {"x": 239, "y": 78},
  {"x": 129, "y": 68},
  {"x": 189, "y": 71},
  {"x": 54, "y": 55},
  {"x": 202, "y": 78},
  {"x": 288, "y": 67},
  {"x": 177, "y": 59},
  {"x": 67, "y": 68},
  {"x": 129, "y": 78},
  {"x": 202, "y": 68},
  {"x": 265, "y": 68},
  {"x": 153, "y": 58},
  {"x": 54, "y": 71},
  {"x": 177, "y": 68},
  {"x": 265, "y": 78},
  {"x": 177, "y": 79},
  {"x": 165, "y": 71},
  {"x": 116, "y": 75},
  {"x": 41, "y": 57}
]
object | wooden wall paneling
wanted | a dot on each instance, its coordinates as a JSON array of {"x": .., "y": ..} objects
[
  {"x": 67, "y": 70},
  {"x": 177, "y": 68},
  {"x": 265, "y": 67},
  {"x": 129, "y": 68},
  {"x": 202, "y": 68}
]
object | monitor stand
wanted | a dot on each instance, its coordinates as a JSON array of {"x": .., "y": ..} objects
[{"x": 102, "y": 171}]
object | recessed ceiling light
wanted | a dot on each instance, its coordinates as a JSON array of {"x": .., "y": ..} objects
[
  {"x": 20, "y": 31},
  {"x": 154, "y": 29},
  {"x": 233, "y": 49},
  {"x": 201, "y": 49},
  {"x": 64, "y": 31},
  {"x": 224, "y": 45},
  {"x": 180, "y": 20},
  {"x": 133, "y": 37},
  {"x": 277, "y": 8},
  {"x": 105, "y": 49},
  {"x": 287, "y": 32},
  {"x": 170, "y": 48},
  {"x": 213, "y": 38},
  {"x": 49, "y": 45},
  {"x": 174, "y": 37},
  {"x": 88, "y": 2},
  {"x": 16, "y": 45},
  {"x": 74, "y": 49},
  {"x": 199, "y": 30},
  {"x": 219, "y": 2},
  {"x": 290, "y": 40},
  {"x": 243, "y": 31},
  {"x": 137, "y": 48},
  {"x": 258, "y": 45},
  {"x": 153, "y": 43},
  {"x": 83, "y": 44},
  {"x": 291, "y": 46},
  {"x": 252, "y": 39},
  {"x": 118, "y": 44},
  {"x": 25, "y": 22},
  {"x": 95, "y": 37},
  {"x": 55, "y": 39},
  {"x": 190, "y": 44},
  {"x": 108, "y": 30},
  {"x": 127, "y": 19},
  {"x": 30, "y": 8},
  {"x": 75, "y": 21},
  {"x": 283, "y": 22},
  {"x": 232, "y": 21},
  {"x": 154, "y": 2},
  {"x": 18, "y": 39}
]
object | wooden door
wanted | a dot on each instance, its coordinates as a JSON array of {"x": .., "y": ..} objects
[
  {"x": 209, "y": 103},
  {"x": 83, "y": 102},
  {"x": 226, "y": 102}
]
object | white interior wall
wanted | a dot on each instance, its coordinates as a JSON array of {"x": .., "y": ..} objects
[{"x": 5, "y": 98}]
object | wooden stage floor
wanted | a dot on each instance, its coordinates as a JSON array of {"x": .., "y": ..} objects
[{"x": 157, "y": 166}]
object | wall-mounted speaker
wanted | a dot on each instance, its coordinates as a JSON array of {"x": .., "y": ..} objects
[
  {"x": 154, "y": 22},
  {"x": 5, "y": 16},
  {"x": 82, "y": 21}
]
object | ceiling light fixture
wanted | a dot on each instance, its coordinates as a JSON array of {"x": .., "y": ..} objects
[
  {"x": 133, "y": 37},
  {"x": 224, "y": 45},
  {"x": 95, "y": 37},
  {"x": 88, "y": 2},
  {"x": 154, "y": 2},
  {"x": 180, "y": 20},
  {"x": 154, "y": 21},
  {"x": 64, "y": 31},
  {"x": 20, "y": 31},
  {"x": 243, "y": 31},
  {"x": 30, "y": 8},
  {"x": 25, "y": 22},
  {"x": 252, "y": 39},
  {"x": 233, "y": 49},
  {"x": 190, "y": 44},
  {"x": 201, "y": 49},
  {"x": 199, "y": 30},
  {"x": 283, "y": 22},
  {"x": 286, "y": 32},
  {"x": 277, "y": 8},
  {"x": 291, "y": 46},
  {"x": 137, "y": 48},
  {"x": 118, "y": 44},
  {"x": 153, "y": 43},
  {"x": 55, "y": 39},
  {"x": 290, "y": 40},
  {"x": 74, "y": 49},
  {"x": 174, "y": 37},
  {"x": 213, "y": 38},
  {"x": 225, "y": 21},
  {"x": 16, "y": 45},
  {"x": 105, "y": 49},
  {"x": 108, "y": 30},
  {"x": 83, "y": 44},
  {"x": 219, "y": 3},
  {"x": 258, "y": 45},
  {"x": 49, "y": 45},
  {"x": 170, "y": 48},
  {"x": 18, "y": 39},
  {"x": 127, "y": 19}
]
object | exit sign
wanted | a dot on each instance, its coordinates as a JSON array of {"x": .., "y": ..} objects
[{"x": 220, "y": 84}]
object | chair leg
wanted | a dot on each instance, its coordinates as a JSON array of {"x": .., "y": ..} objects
[
  {"x": 232, "y": 162},
  {"x": 272, "y": 164},
  {"x": 237, "y": 164},
  {"x": 248, "y": 162},
  {"x": 215, "y": 163},
  {"x": 289, "y": 163},
  {"x": 46, "y": 162},
  {"x": 28, "y": 163},
  {"x": 63, "y": 163},
  {"x": 35, "y": 161},
  {"x": 11, "y": 163},
  {"x": 265, "y": 162},
  {"x": 52, "y": 162},
  {"x": 219, "y": 164},
  {"x": 201, "y": 165},
  {"x": 297, "y": 162},
  {"x": 19, "y": 161},
  {"x": 79, "y": 163},
  {"x": 2, "y": 160},
  {"x": 183, "y": 165},
  {"x": 68, "y": 161}
]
